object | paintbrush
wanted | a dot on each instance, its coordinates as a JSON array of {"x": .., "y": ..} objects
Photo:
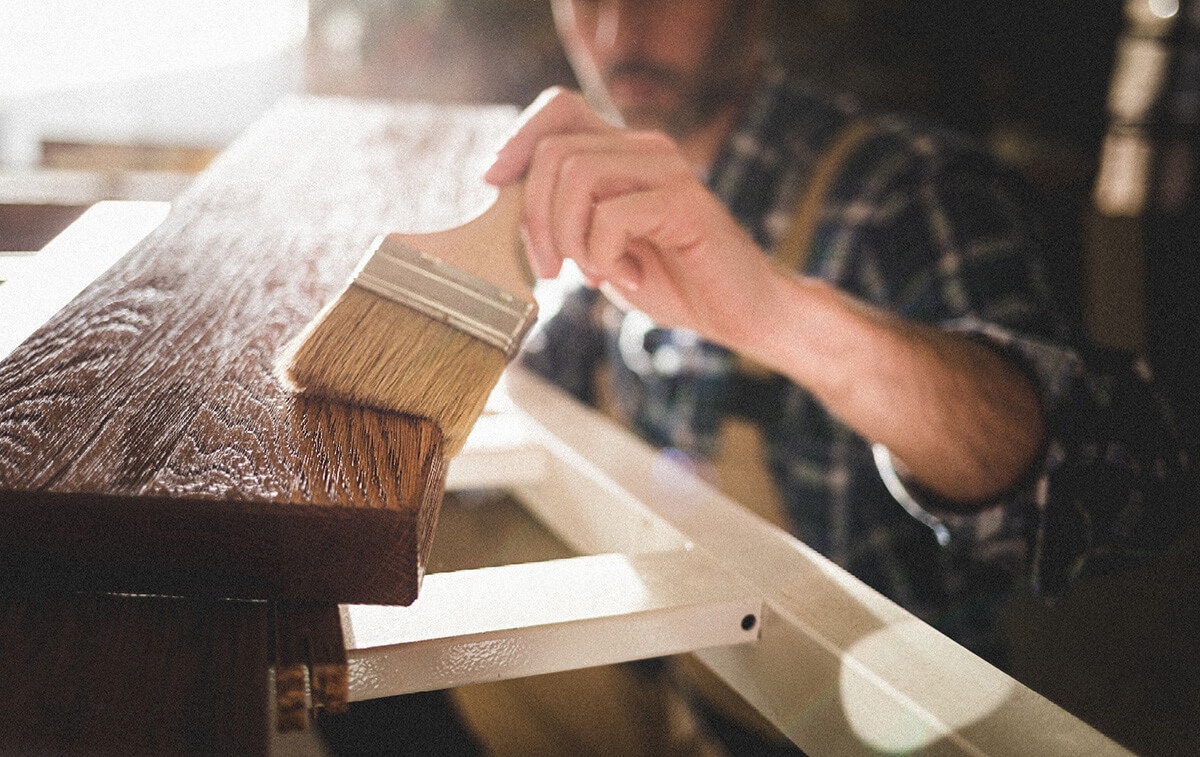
[{"x": 426, "y": 324}]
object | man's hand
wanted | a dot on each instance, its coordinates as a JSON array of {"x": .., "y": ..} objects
[
  {"x": 632, "y": 213},
  {"x": 630, "y": 210}
]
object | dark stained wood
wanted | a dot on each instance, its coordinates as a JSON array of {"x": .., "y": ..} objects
[
  {"x": 124, "y": 675},
  {"x": 144, "y": 442},
  {"x": 309, "y": 647}
]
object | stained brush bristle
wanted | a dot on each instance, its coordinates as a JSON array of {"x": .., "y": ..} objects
[{"x": 368, "y": 350}]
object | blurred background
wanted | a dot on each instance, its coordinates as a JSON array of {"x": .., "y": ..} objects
[{"x": 1096, "y": 102}]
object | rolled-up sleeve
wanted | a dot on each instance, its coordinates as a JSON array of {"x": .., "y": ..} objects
[{"x": 1109, "y": 490}]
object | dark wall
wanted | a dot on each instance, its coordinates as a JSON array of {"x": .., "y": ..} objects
[{"x": 1027, "y": 77}]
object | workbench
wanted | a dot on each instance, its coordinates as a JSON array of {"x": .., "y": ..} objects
[{"x": 650, "y": 559}]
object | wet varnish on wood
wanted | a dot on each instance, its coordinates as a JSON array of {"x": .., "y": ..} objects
[{"x": 145, "y": 444}]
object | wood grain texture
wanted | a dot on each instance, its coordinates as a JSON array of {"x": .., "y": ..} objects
[
  {"x": 145, "y": 444},
  {"x": 310, "y": 663}
]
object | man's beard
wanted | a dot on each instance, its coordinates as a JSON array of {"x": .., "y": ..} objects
[
  {"x": 721, "y": 82},
  {"x": 696, "y": 104}
]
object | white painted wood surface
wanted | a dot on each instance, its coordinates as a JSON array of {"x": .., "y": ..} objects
[
  {"x": 489, "y": 624},
  {"x": 840, "y": 669}
]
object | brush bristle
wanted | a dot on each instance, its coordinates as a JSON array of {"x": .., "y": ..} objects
[{"x": 368, "y": 350}]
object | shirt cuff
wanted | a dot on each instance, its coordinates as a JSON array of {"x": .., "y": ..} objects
[{"x": 901, "y": 493}]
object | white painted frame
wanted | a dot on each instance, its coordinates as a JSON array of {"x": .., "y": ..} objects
[{"x": 837, "y": 667}]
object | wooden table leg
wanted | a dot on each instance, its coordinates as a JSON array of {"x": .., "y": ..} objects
[{"x": 109, "y": 674}]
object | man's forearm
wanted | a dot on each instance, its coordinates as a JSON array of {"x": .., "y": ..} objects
[{"x": 960, "y": 417}]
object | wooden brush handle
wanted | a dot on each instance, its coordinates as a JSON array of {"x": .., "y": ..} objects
[{"x": 488, "y": 246}]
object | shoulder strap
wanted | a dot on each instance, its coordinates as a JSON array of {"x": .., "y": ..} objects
[{"x": 793, "y": 250}]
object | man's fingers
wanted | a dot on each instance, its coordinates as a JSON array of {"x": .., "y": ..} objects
[
  {"x": 592, "y": 171},
  {"x": 569, "y": 173},
  {"x": 555, "y": 111},
  {"x": 630, "y": 228},
  {"x": 574, "y": 164},
  {"x": 662, "y": 249}
]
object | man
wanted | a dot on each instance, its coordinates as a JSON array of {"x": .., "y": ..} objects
[
  {"x": 920, "y": 337},
  {"x": 929, "y": 421}
]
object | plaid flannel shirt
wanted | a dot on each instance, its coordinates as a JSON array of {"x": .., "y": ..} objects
[{"x": 922, "y": 223}]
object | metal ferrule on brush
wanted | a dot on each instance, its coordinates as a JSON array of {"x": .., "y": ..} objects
[{"x": 440, "y": 291}]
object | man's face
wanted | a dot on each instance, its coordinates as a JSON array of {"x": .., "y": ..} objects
[{"x": 663, "y": 64}]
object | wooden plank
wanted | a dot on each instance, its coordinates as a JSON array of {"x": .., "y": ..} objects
[
  {"x": 144, "y": 442},
  {"x": 310, "y": 663}
]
